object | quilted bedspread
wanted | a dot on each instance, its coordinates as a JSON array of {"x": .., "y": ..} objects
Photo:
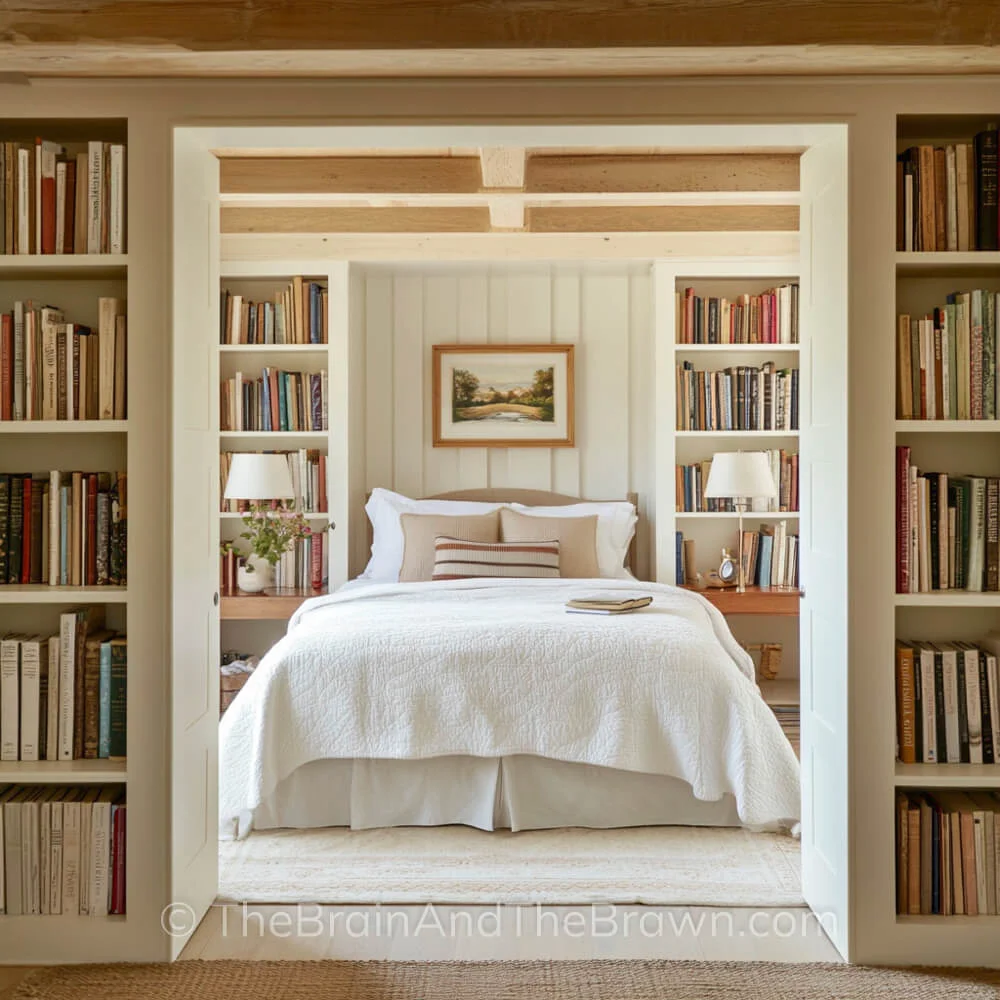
[{"x": 498, "y": 667}]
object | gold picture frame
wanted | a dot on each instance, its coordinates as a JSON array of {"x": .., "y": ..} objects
[{"x": 526, "y": 390}]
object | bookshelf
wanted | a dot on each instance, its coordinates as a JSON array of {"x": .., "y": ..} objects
[
  {"x": 74, "y": 283},
  {"x": 958, "y": 448}
]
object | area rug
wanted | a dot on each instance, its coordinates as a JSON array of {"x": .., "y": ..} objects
[
  {"x": 674, "y": 866},
  {"x": 600, "y": 980}
]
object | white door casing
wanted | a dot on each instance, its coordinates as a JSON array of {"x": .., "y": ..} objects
[
  {"x": 824, "y": 537},
  {"x": 195, "y": 546}
]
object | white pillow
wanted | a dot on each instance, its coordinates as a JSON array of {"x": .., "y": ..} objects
[
  {"x": 384, "y": 509},
  {"x": 616, "y": 521}
]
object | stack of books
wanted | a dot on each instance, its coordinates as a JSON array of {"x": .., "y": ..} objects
[
  {"x": 948, "y": 702},
  {"x": 947, "y": 530},
  {"x": 304, "y": 565},
  {"x": 54, "y": 201},
  {"x": 946, "y": 362},
  {"x": 63, "y": 697},
  {"x": 54, "y": 370},
  {"x": 948, "y": 853},
  {"x": 770, "y": 557},
  {"x": 62, "y": 850},
  {"x": 788, "y": 719},
  {"x": 691, "y": 479},
  {"x": 946, "y": 196},
  {"x": 274, "y": 401},
  {"x": 298, "y": 315},
  {"x": 743, "y": 398},
  {"x": 769, "y": 318},
  {"x": 308, "y": 471},
  {"x": 67, "y": 529}
]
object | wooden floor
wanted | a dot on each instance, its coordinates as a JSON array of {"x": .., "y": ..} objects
[{"x": 472, "y": 933}]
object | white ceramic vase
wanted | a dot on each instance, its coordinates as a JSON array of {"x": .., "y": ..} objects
[{"x": 256, "y": 575}]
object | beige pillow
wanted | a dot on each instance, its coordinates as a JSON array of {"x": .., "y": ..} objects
[
  {"x": 420, "y": 531},
  {"x": 577, "y": 537}
]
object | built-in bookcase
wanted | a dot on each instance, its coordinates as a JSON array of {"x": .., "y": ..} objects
[
  {"x": 73, "y": 283},
  {"x": 955, "y": 447},
  {"x": 262, "y": 282},
  {"x": 713, "y": 531}
]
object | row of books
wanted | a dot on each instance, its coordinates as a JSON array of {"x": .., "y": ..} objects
[
  {"x": 308, "y": 471},
  {"x": 771, "y": 317},
  {"x": 62, "y": 850},
  {"x": 743, "y": 398},
  {"x": 298, "y": 315},
  {"x": 54, "y": 201},
  {"x": 54, "y": 370},
  {"x": 946, "y": 362},
  {"x": 66, "y": 529},
  {"x": 947, "y": 530},
  {"x": 690, "y": 481},
  {"x": 274, "y": 401},
  {"x": 946, "y": 196},
  {"x": 303, "y": 567},
  {"x": 948, "y": 702},
  {"x": 770, "y": 557},
  {"x": 63, "y": 697},
  {"x": 948, "y": 853}
]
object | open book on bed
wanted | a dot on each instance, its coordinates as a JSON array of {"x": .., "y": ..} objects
[{"x": 607, "y": 604}]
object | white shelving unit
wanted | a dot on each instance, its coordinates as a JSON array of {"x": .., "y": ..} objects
[{"x": 959, "y": 447}]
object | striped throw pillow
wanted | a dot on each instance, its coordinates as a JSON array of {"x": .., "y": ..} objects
[{"x": 455, "y": 559}]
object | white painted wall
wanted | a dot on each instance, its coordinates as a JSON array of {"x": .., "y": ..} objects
[{"x": 602, "y": 308}]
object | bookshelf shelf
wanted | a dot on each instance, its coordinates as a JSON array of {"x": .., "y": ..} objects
[
  {"x": 737, "y": 348},
  {"x": 42, "y": 593},
  {"x": 274, "y": 348},
  {"x": 784, "y": 691},
  {"x": 703, "y": 515},
  {"x": 228, "y": 515},
  {"x": 63, "y": 427},
  {"x": 947, "y": 775},
  {"x": 949, "y": 599},
  {"x": 83, "y": 265},
  {"x": 64, "y": 771},
  {"x": 245, "y": 437},
  {"x": 945, "y": 263},
  {"x": 737, "y": 434},
  {"x": 948, "y": 426}
]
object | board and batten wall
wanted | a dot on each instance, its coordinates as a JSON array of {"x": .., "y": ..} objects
[{"x": 604, "y": 309}]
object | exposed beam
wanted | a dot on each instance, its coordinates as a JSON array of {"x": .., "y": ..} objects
[
  {"x": 507, "y": 212},
  {"x": 356, "y": 174},
  {"x": 502, "y": 167},
  {"x": 354, "y": 220},
  {"x": 673, "y": 172},
  {"x": 272, "y": 25},
  {"x": 619, "y": 219}
]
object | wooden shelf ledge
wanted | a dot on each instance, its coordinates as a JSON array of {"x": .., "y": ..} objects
[
  {"x": 754, "y": 600},
  {"x": 262, "y": 607}
]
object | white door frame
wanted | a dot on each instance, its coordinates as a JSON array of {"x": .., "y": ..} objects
[{"x": 194, "y": 751}]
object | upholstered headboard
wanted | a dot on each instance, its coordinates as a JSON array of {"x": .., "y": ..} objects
[{"x": 532, "y": 498}]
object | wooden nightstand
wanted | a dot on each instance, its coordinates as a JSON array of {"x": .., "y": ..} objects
[
  {"x": 275, "y": 606},
  {"x": 754, "y": 600}
]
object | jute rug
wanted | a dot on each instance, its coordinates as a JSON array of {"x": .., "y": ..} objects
[
  {"x": 603, "y": 980},
  {"x": 676, "y": 866}
]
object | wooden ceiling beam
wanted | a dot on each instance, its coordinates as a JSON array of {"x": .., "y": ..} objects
[
  {"x": 349, "y": 174},
  {"x": 272, "y": 25},
  {"x": 677, "y": 219},
  {"x": 354, "y": 220},
  {"x": 663, "y": 173}
]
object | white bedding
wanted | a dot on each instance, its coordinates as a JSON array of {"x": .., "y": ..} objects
[{"x": 494, "y": 668}]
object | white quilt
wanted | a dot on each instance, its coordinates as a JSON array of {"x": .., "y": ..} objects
[{"x": 498, "y": 667}]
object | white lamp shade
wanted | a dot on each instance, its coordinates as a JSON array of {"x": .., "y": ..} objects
[
  {"x": 740, "y": 474},
  {"x": 259, "y": 477}
]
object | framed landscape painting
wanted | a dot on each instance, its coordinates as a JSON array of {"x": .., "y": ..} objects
[{"x": 503, "y": 396}]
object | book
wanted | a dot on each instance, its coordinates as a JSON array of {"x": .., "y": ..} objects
[{"x": 607, "y": 604}]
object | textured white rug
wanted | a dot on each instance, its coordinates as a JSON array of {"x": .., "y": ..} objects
[{"x": 682, "y": 866}]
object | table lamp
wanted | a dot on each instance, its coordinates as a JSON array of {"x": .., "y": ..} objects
[{"x": 740, "y": 476}]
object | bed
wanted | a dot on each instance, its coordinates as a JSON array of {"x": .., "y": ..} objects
[{"x": 482, "y": 701}]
